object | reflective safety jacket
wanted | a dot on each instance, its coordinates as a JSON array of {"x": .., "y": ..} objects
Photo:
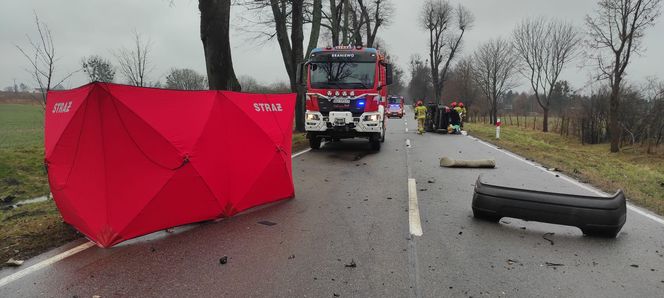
[{"x": 421, "y": 112}]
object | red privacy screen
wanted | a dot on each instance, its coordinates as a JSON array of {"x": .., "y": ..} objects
[{"x": 127, "y": 161}]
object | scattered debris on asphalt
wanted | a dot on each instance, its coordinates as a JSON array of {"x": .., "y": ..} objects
[
  {"x": 431, "y": 181},
  {"x": 152, "y": 249},
  {"x": 267, "y": 223},
  {"x": 14, "y": 263},
  {"x": 553, "y": 169},
  {"x": 460, "y": 233},
  {"x": 351, "y": 265},
  {"x": 223, "y": 260},
  {"x": 634, "y": 265},
  {"x": 523, "y": 228},
  {"x": 546, "y": 235},
  {"x": 549, "y": 264},
  {"x": 291, "y": 257},
  {"x": 335, "y": 294},
  {"x": 389, "y": 198},
  {"x": 512, "y": 262},
  {"x": 455, "y": 163},
  {"x": 423, "y": 189}
]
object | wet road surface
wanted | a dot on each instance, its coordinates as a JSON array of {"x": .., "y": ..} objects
[{"x": 347, "y": 234}]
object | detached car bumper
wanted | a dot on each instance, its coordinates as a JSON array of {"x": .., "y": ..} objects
[{"x": 599, "y": 216}]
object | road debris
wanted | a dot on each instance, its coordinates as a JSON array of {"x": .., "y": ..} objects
[
  {"x": 267, "y": 223},
  {"x": 634, "y": 265},
  {"x": 549, "y": 264},
  {"x": 14, "y": 263},
  {"x": 291, "y": 257},
  {"x": 546, "y": 235},
  {"x": 351, "y": 265},
  {"x": 461, "y": 233},
  {"x": 431, "y": 181},
  {"x": 423, "y": 189},
  {"x": 480, "y": 163},
  {"x": 389, "y": 198},
  {"x": 512, "y": 262},
  {"x": 223, "y": 260}
]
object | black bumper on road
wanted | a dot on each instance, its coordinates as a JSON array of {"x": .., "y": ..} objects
[{"x": 597, "y": 216}]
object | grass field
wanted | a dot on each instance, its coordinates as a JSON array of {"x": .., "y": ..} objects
[
  {"x": 22, "y": 174},
  {"x": 640, "y": 175}
]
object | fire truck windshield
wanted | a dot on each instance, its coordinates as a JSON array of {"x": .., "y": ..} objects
[{"x": 340, "y": 74}]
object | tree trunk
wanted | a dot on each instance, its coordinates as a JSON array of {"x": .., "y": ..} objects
[
  {"x": 614, "y": 123},
  {"x": 297, "y": 38},
  {"x": 315, "y": 27},
  {"x": 545, "y": 123},
  {"x": 215, "y": 26}
]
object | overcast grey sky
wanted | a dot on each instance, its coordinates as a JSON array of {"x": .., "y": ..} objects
[{"x": 85, "y": 27}]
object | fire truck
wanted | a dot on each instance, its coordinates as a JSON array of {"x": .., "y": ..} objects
[{"x": 346, "y": 94}]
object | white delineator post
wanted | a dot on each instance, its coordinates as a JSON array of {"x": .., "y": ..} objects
[{"x": 498, "y": 128}]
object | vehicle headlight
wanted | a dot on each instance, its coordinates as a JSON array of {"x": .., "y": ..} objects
[
  {"x": 374, "y": 117},
  {"x": 312, "y": 117}
]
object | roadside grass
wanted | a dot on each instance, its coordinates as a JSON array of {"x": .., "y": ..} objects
[
  {"x": 300, "y": 142},
  {"x": 640, "y": 175},
  {"x": 32, "y": 229}
]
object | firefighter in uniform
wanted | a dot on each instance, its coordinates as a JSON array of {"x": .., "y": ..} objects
[{"x": 420, "y": 115}]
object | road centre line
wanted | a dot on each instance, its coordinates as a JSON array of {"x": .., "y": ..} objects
[
  {"x": 59, "y": 257},
  {"x": 414, "y": 221},
  {"x": 632, "y": 207}
]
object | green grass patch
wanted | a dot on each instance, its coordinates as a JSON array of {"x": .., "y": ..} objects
[
  {"x": 21, "y": 126},
  {"x": 640, "y": 175},
  {"x": 32, "y": 229}
]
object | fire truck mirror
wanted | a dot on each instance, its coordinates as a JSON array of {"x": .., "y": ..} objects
[{"x": 388, "y": 74}]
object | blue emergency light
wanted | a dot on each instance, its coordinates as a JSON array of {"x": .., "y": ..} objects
[{"x": 360, "y": 103}]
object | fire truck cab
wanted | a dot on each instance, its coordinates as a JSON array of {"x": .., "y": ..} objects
[{"x": 346, "y": 94}]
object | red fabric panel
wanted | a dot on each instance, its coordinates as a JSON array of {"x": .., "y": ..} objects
[{"x": 126, "y": 161}]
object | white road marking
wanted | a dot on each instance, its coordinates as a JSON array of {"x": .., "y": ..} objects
[
  {"x": 636, "y": 209},
  {"x": 300, "y": 153},
  {"x": 43, "y": 264},
  {"x": 406, "y": 129},
  {"x": 8, "y": 279},
  {"x": 413, "y": 209}
]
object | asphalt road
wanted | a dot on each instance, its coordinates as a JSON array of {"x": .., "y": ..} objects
[{"x": 352, "y": 207}]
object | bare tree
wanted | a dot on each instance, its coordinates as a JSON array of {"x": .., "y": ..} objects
[
  {"x": 134, "y": 62},
  {"x": 446, "y": 26},
  {"x": 98, "y": 69},
  {"x": 545, "y": 47},
  {"x": 616, "y": 32},
  {"x": 42, "y": 58},
  {"x": 494, "y": 70},
  {"x": 215, "y": 35},
  {"x": 185, "y": 79}
]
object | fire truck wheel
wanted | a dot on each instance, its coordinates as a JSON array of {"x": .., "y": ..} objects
[
  {"x": 314, "y": 143},
  {"x": 375, "y": 145}
]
